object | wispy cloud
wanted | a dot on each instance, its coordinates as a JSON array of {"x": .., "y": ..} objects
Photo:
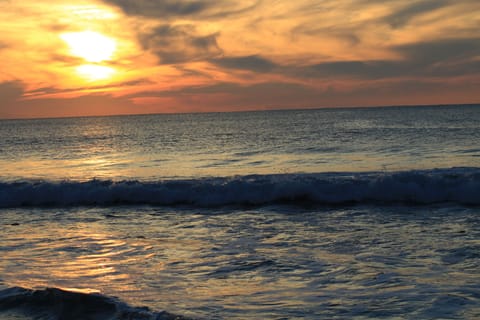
[
  {"x": 198, "y": 55},
  {"x": 253, "y": 63},
  {"x": 402, "y": 16},
  {"x": 171, "y": 9},
  {"x": 180, "y": 43},
  {"x": 443, "y": 58}
]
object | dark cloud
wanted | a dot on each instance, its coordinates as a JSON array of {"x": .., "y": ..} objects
[
  {"x": 191, "y": 72},
  {"x": 374, "y": 70},
  {"x": 452, "y": 57},
  {"x": 274, "y": 90},
  {"x": 264, "y": 95},
  {"x": 235, "y": 96},
  {"x": 161, "y": 8},
  {"x": 270, "y": 89},
  {"x": 178, "y": 44},
  {"x": 403, "y": 16},
  {"x": 355, "y": 69},
  {"x": 166, "y": 9},
  {"x": 441, "y": 50},
  {"x": 280, "y": 95},
  {"x": 252, "y": 63},
  {"x": 442, "y": 58},
  {"x": 10, "y": 92}
]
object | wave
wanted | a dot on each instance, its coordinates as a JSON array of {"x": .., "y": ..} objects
[
  {"x": 423, "y": 187},
  {"x": 54, "y": 303}
]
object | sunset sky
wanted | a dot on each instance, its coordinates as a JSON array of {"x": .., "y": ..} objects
[{"x": 87, "y": 57}]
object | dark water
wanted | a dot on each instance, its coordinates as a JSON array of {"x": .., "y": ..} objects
[{"x": 320, "y": 214}]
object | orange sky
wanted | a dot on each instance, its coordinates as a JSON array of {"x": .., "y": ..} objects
[{"x": 90, "y": 57}]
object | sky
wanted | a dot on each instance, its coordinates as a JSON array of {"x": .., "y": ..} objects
[{"x": 92, "y": 57}]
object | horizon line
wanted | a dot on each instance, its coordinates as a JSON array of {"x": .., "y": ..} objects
[{"x": 242, "y": 111}]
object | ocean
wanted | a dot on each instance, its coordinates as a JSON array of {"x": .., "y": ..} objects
[{"x": 354, "y": 213}]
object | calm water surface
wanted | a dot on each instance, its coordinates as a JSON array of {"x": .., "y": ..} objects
[{"x": 225, "y": 144}]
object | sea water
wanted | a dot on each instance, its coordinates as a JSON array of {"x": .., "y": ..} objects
[{"x": 308, "y": 214}]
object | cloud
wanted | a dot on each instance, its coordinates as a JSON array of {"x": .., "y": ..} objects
[
  {"x": 167, "y": 9},
  {"x": 91, "y": 104},
  {"x": 162, "y": 8},
  {"x": 403, "y": 16},
  {"x": 247, "y": 53},
  {"x": 227, "y": 96},
  {"x": 454, "y": 57},
  {"x": 441, "y": 50},
  {"x": 449, "y": 57},
  {"x": 268, "y": 89},
  {"x": 253, "y": 63},
  {"x": 349, "y": 69},
  {"x": 49, "y": 92},
  {"x": 10, "y": 92},
  {"x": 180, "y": 43}
]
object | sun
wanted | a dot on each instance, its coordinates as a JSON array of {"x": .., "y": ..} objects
[
  {"x": 95, "y": 48},
  {"x": 90, "y": 45},
  {"x": 95, "y": 72}
]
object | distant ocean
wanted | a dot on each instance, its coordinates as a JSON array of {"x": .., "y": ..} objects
[{"x": 308, "y": 214}]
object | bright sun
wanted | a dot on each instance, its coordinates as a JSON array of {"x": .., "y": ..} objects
[
  {"x": 95, "y": 72},
  {"x": 89, "y": 45},
  {"x": 93, "y": 47}
]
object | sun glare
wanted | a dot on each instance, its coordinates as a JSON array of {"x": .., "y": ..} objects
[
  {"x": 95, "y": 72},
  {"x": 94, "y": 48},
  {"x": 89, "y": 45}
]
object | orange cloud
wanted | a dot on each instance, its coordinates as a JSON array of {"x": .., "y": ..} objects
[{"x": 165, "y": 56}]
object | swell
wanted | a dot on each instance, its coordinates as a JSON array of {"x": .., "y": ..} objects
[
  {"x": 58, "y": 304},
  {"x": 454, "y": 185}
]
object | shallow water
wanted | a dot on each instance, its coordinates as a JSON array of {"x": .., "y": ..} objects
[{"x": 272, "y": 262}]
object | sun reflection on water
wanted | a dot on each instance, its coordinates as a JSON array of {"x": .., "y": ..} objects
[
  {"x": 82, "y": 255},
  {"x": 244, "y": 262}
]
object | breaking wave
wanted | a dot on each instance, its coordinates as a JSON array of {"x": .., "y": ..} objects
[
  {"x": 454, "y": 185},
  {"x": 58, "y": 304}
]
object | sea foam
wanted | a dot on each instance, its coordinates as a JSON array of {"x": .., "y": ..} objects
[{"x": 455, "y": 185}]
